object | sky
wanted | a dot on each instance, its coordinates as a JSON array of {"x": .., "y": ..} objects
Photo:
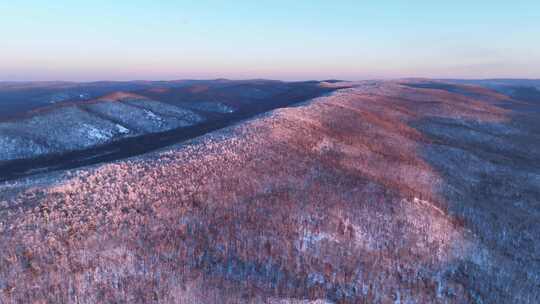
[{"x": 288, "y": 40}]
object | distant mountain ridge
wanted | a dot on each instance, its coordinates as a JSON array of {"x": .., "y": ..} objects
[{"x": 99, "y": 118}]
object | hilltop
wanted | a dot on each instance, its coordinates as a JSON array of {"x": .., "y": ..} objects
[{"x": 413, "y": 191}]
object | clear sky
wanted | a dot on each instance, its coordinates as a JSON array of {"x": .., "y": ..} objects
[{"x": 290, "y": 40}]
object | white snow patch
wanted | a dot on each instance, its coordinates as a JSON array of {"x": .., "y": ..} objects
[
  {"x": 96, "y": 133},
  {"x": 428, "y": 204},
  {"x": 152, "y": 115},
  {"x": 122, "y": 129},
  {"x": 324, "y": 145}
]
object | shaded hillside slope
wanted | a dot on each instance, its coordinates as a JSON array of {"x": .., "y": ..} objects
[
  {"x": 520, "y": 89},
  {"x": 120, "y": 124},
  {"x": 378, "y": 193}
]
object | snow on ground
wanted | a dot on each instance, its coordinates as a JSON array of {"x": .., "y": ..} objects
[
  {"x": 340, "y": 200},
  {"x": 70, "y": 128},
  {"x": 95, "y": 133},
  {"x": 210, "y": 107},
  {"x": 122, "y": 129}
]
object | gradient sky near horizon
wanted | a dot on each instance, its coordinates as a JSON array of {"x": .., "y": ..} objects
[{"x": 290, "y": 40}]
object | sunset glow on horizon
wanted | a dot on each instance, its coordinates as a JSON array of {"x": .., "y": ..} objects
[{"x": 120, "y": 40}]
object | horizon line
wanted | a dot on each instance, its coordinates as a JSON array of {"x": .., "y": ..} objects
[{"x": 267, "y": 79}]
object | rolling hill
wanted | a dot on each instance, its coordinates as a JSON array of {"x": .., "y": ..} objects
[{"x": 406, "y": 191}]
